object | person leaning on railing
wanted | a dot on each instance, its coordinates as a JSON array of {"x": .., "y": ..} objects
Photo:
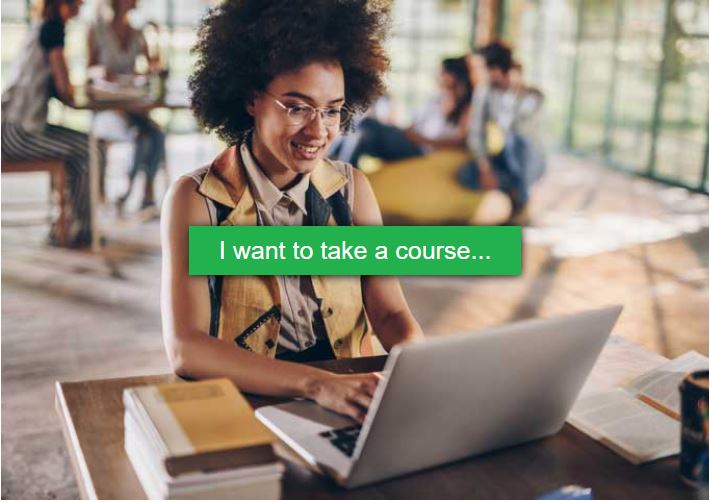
[
  {"x": 278, "y": 81},
  {"x": 40, "y": 72}
]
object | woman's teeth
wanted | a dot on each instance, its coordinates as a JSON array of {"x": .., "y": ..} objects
[{"x": 306, "y": 148}]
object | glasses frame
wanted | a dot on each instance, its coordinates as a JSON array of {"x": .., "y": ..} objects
[{"x": 313, "y": 110}]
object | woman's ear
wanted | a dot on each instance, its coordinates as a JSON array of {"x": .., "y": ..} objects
[{"x": 251, "y": 105}]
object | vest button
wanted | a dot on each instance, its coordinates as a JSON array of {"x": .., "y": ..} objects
[
  {"x": 328, "y": 312},
  {"x": 337, "y": 344}
]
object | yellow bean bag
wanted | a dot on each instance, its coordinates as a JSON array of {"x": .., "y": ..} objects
[{"x": 424, "y": 191}]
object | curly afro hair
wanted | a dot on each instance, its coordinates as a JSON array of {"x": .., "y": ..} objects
[{"x": 244, "y": 44}]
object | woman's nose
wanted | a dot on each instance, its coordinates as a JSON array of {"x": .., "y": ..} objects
[{"x": 316, "y": 126}]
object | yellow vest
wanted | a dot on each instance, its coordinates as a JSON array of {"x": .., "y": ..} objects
[{"x": 245, "y": 299}]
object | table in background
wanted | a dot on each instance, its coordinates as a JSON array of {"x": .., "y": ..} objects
[
  {"x": 91, "y": 413},
  {"x": 172, "y": 101}
]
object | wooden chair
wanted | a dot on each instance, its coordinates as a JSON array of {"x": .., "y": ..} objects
[{"x": 57, "y": 174}]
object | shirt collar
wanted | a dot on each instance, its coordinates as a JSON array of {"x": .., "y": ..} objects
[{"x": 263, "y": 188}]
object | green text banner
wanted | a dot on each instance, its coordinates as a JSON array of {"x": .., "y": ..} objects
[{"x": 357, "y": 250}]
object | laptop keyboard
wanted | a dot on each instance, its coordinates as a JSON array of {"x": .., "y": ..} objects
[{"x": 343, "y": 439}]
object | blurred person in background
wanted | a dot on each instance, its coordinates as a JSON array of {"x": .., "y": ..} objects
[
  {"x": 41, "y": 72},
  {"x": 114, "y": 45},
  {"x": 441, "y": 123},
  {"x": 507, "y": 155}
]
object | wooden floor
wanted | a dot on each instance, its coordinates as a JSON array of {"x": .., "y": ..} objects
[{"x": 596, "y": 237}]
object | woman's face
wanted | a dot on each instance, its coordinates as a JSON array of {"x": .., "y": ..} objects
[
  {"x": 281, "y": 144},
  {"x": 451, "y": 89},
  {"x": 68, "y": 9},
  {"x": 122, "y": 7}
]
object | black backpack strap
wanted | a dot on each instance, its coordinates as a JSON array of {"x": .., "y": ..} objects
[
  {"x": 214, "y": 282},
  {"x": 341, "y": 210},
  {"x": 320, "y": 209}
]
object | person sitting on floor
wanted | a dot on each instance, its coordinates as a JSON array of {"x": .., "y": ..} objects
[
  {"x": 441, "y": 123},
  {"x": 278, "y": 81},
  {"x": 500, "y": 108}
]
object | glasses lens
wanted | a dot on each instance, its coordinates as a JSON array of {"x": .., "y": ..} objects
[
  {"x": 303, "y": 114},
  {"x": 299, "y": 114},
  {"x": 331, "y": 116}
]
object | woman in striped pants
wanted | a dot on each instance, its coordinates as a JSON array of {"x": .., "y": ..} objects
[{"x": 41, "y": 73}]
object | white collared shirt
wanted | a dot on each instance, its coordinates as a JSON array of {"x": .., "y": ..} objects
[{"x": 301, "y": 321}]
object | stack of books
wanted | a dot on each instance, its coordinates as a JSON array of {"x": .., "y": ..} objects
[{"x": 199, "y": 440}]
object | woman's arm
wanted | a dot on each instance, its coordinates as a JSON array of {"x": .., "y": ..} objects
[
  {"x": 385, "y": 304},
  {"x": 60, "y": 75},
  {"x": 93, "y": 56},
  {"x": 185, "y": 309},
  {"x": 153, "y": 60},
  {"x": 456, "y": 141},
  {"x": 459, "y": 139}
]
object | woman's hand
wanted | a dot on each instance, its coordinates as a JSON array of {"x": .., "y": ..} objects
[
  {"x": 415, "y": 137},
  {"x": 349, "y": 395},
  {"x": 488, "y": 179}
]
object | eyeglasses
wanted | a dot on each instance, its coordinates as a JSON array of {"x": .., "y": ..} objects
[{"x": 302, "y": 113}]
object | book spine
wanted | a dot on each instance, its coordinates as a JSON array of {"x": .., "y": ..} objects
[{"x": 145, "y": 408}]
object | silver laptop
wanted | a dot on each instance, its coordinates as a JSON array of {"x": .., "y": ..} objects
[{"x": 452, "y": 397}]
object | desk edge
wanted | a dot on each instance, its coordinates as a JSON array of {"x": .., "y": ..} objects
[{"x": 81, "y": 469}]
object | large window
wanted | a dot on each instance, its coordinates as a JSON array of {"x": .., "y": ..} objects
[
  {"x": 423, "y": 32},
  {"x": 626, "y": 80}
]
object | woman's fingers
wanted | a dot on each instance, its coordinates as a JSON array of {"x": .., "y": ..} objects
[
  {"x": 363, "y": 392},
  {"x": 353, "y": 411},
  {"x": 350, "y": 395},
  {"x": 360, "y": 398}
]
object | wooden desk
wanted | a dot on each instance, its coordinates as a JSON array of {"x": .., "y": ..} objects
[{"x": 91, "y": 413}]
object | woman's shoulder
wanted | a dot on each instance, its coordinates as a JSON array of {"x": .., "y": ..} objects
[
  {"x": 184, "y": 199},
  {"x": 196, "y": 175},
  {"x": 357, "y": 190},
  {"x": 342, "y": 167},
  {"x": 351, "y": 173},
  {"x": 51, "y": 34}
]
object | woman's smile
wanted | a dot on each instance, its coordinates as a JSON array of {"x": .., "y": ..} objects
[{"x": 307, "y": 151}]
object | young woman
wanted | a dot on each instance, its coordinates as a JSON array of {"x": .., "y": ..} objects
[
  {"x": 115, "y": 45},
  {"x": 40, "y": 73},
  {"x": 278, "y": 81},
  {"x": 441, "y": 123}
]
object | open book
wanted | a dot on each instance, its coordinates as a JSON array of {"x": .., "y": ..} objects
[{"x": 640, "y": 421}]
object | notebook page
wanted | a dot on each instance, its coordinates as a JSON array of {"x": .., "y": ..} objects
[
  {"x": 661, "y": 384},
  {"x": 620, "y": 362},
  {"x": 633, "y": 429}
]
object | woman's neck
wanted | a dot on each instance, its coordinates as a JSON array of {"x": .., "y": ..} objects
[
  {"x": 282, "y": 177},
  {"x": 120, "y": 21}
]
